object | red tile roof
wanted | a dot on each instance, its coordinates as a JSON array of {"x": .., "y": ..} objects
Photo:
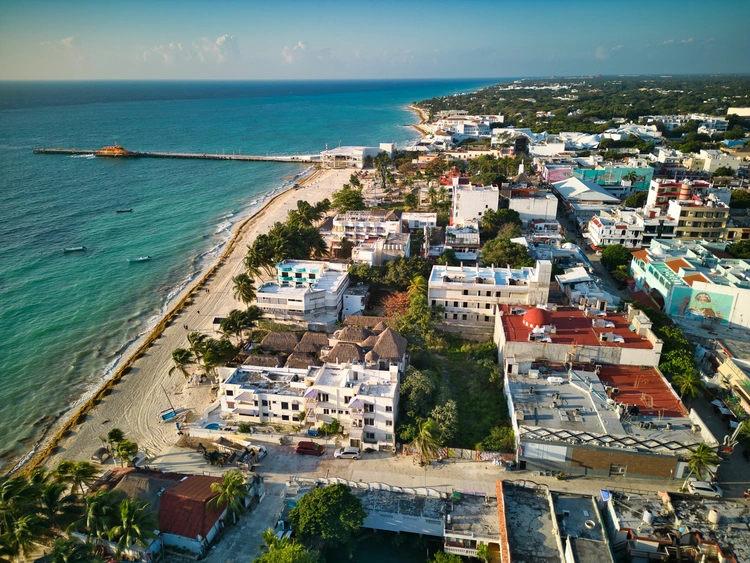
[
  {"x": 185, "y": 510},
  {"x": 640, "y": 255},
  {"x": 573, "y": 327},
  {"x": 694, "y": 278},
  {"x": 675, "y": 265},
  {"x": 645, "y": 388},
  {"x": 719, "y": 253}
]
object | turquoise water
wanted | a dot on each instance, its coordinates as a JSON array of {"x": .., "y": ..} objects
[{"x": 65, "y": 319}]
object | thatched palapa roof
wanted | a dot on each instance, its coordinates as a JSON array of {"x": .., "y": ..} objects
[
  {"x": 362, "y": 320},
  {"x": 380, "y": 327},
  {"x": 372, "y": 356},
  {"x": 281, "y": 341},
  {"x": 264, "y": 361},
  {"x": 369, "y": 342},
  {"x": 390, "y": 345},
  {"x": 345, "y": 353},
  {"x": 298, "y": 360},
  {"x": 351, "y": 334},
  {"x": 312, "y": 342}
]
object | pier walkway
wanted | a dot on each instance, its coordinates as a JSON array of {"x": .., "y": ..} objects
[{"x": 299, "y": 159}]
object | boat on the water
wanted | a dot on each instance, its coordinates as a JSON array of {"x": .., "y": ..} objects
[
  {"x": 75, "y": 249},
  {"x": 124, "y": 210},
  {"x": 114, "y": 150},
  {"x": 140, "y": 259}
]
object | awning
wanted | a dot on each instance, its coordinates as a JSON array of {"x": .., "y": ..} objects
[
  {"x": 311, "y": 393},
  {"x": 246, "y": 412}
]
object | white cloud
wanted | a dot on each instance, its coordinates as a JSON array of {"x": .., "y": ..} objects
[
  {"x": 617, "y": 47},
  {"x": 289, "y": 52},
  {"x": 689, "y": 40},
  {"x": 601, "y": 52},
  {"x": 667, "y": 42},
  {"x": 204, "y": 50},
  {"x": 68, "y": 46}
]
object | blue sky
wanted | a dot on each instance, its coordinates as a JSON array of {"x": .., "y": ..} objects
[{"x": 224, "y": 39}]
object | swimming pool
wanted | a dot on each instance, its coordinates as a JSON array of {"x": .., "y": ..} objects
[{"x": 212, "y": 426}]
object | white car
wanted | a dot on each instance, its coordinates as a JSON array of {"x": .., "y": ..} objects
[
  {"x": 704, "y": 489},
  {"x": 347, "y": 453}
]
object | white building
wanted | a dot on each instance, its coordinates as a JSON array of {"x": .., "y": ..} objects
[
  {"x": 375, "y": 251},
  {"x": 355, "y": 299},
  {"x": 533, "y": 205},
  {"x": 630, "y": 228},
  {"x": 471, "y": 202},
  {"x": 709, "y": 123},
  {"x": 352, "y": 157},
  {"x": 709, "y": 160},
  {"x": 361, "y": 225},
  {"x": 363, "y": 400},
  {"x": 305, "y": 291},
  {"x": 583, "y": 289},
  {"x": 469, "y": 295},
  {"x": 418, "y": 220}
]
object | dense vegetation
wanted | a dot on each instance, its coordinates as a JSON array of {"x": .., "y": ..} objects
[{"x": 589, "y": 104}]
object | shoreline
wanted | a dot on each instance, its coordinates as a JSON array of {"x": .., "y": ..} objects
[
  {"x": 423, "y": 117},
  {"x": 61, "y": 428}
]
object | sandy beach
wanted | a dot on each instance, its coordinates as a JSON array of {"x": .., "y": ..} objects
[
  {"x": 142, "y": 388},
  {"x": 423, "y": 117}
]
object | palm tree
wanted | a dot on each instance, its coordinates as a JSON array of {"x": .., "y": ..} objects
[
  {"x": 126, "y": 451},
  {"x": 77, "y": 474},
  {"x": 417, "y": 286},
  {"x": 235, "y": 323},
  {"x": 432, "y": 196},
  {"x": 182, "y": 357},
  {"x": 218, "y": 352},
  {"x": 688, "y": 384},
  {"x": 702, "y": 460},
  {"x": 27, "y": 529},
  {"x": 427, "y": 441},
  {"x": 99, "y": 514},
  {"x": 272, "y": 541},
  {"x": 232, "y": 492},
  {"x": 244, "y": 288},
  {"x": 631, "y": 177},
  {"x": 135, "y": 524},
  {"x": 197, "y": 343},
  {"x": 17, "y": 497},
  {"x": 305, "y": 214},
  {"x": 72, "y": 551},
  {"x": 59, "y": 507}
]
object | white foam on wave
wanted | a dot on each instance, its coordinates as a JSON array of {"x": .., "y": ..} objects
[{"x": 88, "y": 156}]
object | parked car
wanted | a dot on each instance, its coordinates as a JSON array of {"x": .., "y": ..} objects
[
  {"x": 310, "y": 448},
  {"x": 704, "y": 489},
  {"x": 347, "y": 453}
]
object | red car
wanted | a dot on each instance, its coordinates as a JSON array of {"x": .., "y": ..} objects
[{"x": 310, "y": 448}]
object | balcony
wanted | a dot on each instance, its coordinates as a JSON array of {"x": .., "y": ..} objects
[
  {"x": 466, "y": 552},
  {"x": 356, "y": 432},
  {"x": 357, "y": 415}
]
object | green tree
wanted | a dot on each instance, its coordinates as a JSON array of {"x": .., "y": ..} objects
[
  {"x": 418, "y": 286},
  {"x": 446, "y": 417},
  {"x": 411, "y": 201},
  {"x": 443, "y": 557},
  {"x": 77, "y": 474},
  {"x": 427, "y": 443},
  {"x": 115, "y": 436},
  {"x": 348, "y": 199},
  {"x": 182, "y": 357},
  {"x": 502, "y": 252},
  {"x": 237, "y": 322},
  {"x": 739, "y": 249},
  {"x": 616, "y": 255},
  {"x": 244, "y": 288},
  {"x": 285, "y": 551},
  {"x": 418, "y": 392},
  {"x": 73, "y": 551},
  {"x": 134, "y": 524},
  {"x": 688, "y": 384},
  {"x": 507, "y": 220},
  {"x": 636, "y": 200},
  {"x": 483, "y": 553},
  {"x": 331, "y": 514},
  {"x": 17, "y": 498},
  {"x": 723, "y": 171},
  {"x": 305, "y": 214},
  {"x": 100, "y": 511},
  {"x": 501, "y": 439},
  {"x": 448, "y": 258},
  {"x": 218, "y": 352},
  {"x": 126, "y": 451},
  {"x": 197, "y": 341},
  {"x": 345, "y": 248},
  {"x": 232, "y": 491},
  {"x": 702, "y": 461},
  {"x": 27, "y": 529}
]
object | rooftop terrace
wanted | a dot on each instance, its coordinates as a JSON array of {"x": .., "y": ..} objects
[
  {"x": 443, "y": 276},
  {"x": 529, "y": 525}
]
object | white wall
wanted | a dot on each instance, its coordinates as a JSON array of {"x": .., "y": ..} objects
[{"x": 535, "y": 207}]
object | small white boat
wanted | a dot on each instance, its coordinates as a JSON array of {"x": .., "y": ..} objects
[
  {"x": 75, "y": 249},
  {"x": 140, "y": 259}
]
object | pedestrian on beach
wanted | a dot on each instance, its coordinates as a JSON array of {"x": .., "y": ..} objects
[{"x": 199, "y": 312}]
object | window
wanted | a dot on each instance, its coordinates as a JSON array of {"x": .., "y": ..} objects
[
  {"x": 486, "y": 305},
  {"x": 489, "y": 294},
  {"x": 341, "y": 412},
  {"x": 295, "y": 407},
  {"x": 466, "y": 292},
  {"x": 465, "y": 304},
  {"x": 699, "y": 214},
  {"x": 323, "y": 397},
  {"x": 284, "y": 417},
  {"x": 434, "y": 302},
  {"x": 446, "y": 303},
  {"x": 486, "y": 319},
  {"x": 311, "y": 276},
  {"x": 463, "y": 317},
  {"x": 370, "y": 435},
  {"x": 388, "y": 408},
  {"x": 347, "y": 398},
  {"x": 255, "y": 402},
  {"x": 497, "y": 294},
  {"x": 389, "y": 423},
  {"x": 284, "y": 406},
  {"x": 326, "y": 411},
  {"x": 264, "y": 403},
  {"x": 369, "y": 408},
  {"x": 455, "y": 303},
  {"x": 229, "y": 392},
  {"x": 455, "y": 316}
]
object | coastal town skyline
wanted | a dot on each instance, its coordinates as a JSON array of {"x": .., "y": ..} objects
[{"x": 328, "y": 40}]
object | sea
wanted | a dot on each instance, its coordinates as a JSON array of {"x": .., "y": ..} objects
[{"x": 66, "y": 319}]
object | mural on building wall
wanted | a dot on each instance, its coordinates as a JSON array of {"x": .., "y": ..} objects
[
  {"x": 639, "y": 178},
  {"x": 558, "y": 174},
  {"x": 700, "y": 304}
]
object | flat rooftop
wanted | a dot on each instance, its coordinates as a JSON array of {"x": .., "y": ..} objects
[
  {"x": 372, "y": 383},
  {"x": 474, "y": 515},
  {"x": 572, "y": 326},
  {"x": 529, "y": 525},
  {"x": 401, "y": 503},
  {"x": 279, "y": 381},
  {"x": 578, "y": 406},
  {"x": 443, "y": 276}
]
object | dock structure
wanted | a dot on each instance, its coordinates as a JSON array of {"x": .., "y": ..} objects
[{"x": 298, "y": 159}]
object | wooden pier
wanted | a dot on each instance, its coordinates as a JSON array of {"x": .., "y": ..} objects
[{"x": 299, "y": 159}]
